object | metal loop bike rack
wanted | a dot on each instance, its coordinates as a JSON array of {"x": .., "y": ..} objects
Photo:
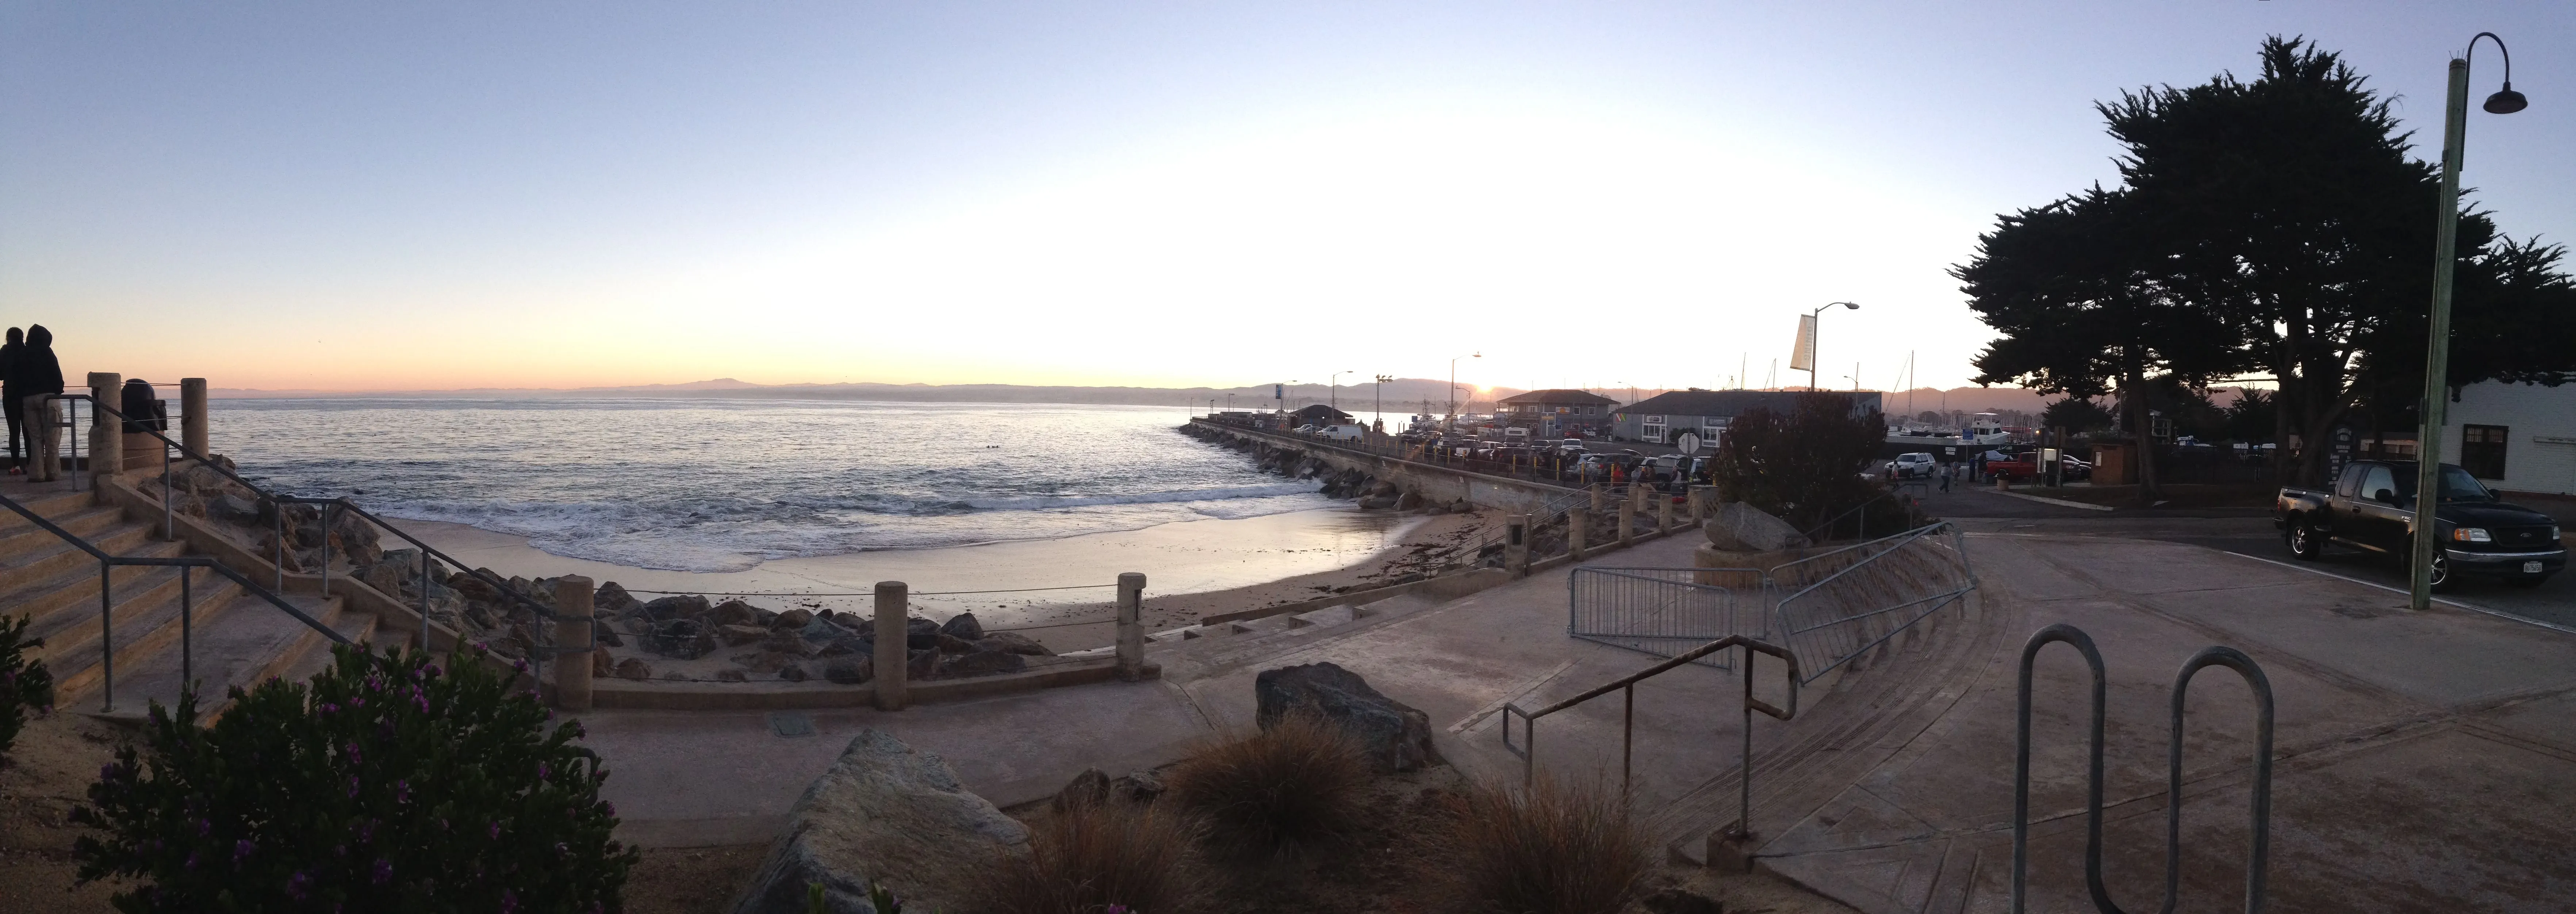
[{"x": 2257, "y": 857}]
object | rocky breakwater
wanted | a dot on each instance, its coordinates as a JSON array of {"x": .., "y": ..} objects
[
  {"x": 690, "y": 637},
  {"x": 1369, "y": 490}
]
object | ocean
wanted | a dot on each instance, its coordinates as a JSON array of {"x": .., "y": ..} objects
[{"x": 724, "y": 485}]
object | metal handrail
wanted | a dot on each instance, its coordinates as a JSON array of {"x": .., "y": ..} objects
[
  {"x": 187, "y": 634},
  {"x": 2258, "y": 855},
  {"x": 279, "y": 560},
  {"x": 1528, "y": 749}
]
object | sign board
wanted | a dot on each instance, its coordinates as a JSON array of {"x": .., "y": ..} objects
[
  {"x": 1689, "y": 443},
  {"x": 1802, "y": 357},
  {"x": 1278, "y": 391},
  {"x": 2343, "y": 439}
]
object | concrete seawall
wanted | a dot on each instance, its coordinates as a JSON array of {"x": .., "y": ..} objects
[{"x": 1418, "y": 482}]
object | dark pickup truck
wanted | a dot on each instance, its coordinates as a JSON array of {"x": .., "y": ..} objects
[{"x": 2372, "y": 508}]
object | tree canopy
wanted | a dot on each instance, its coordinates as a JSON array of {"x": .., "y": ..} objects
[{"x": 2276, "y": 226}]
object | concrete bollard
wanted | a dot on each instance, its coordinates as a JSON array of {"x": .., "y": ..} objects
[
  {"x": 1627, "y": 522},
  {"x": 1596, "y": 495},
  {"x": 1578, "y": 524},
  {"x": 192, "y": 419},
  {"x": 1663, "y": 513},
  {"x": 1516, "y": 543},
  {"x": 1131, "y": 626},
  {"x": 894, "y": 598},
  {"x": 106, "y": 435},
  {"x": 1699, "y": 504},
  {"x": 572, "y": 628}
]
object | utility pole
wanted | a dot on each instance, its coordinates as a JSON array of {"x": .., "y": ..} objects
[{"x": 1381, "y": 402}]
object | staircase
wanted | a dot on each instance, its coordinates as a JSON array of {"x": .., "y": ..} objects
[{"x": 234, "y": 638}]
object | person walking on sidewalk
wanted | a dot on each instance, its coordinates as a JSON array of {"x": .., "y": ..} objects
[
  {"x": 1945, "y": 477},
  {"x": 38, "y": 372},
  {"x": 10, "y": 355}
]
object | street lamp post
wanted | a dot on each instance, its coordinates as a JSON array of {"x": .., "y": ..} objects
[
  {"x": 1333, "y": 389},
  {"x": 2437, "y": 345},
  {"x": 1381, "y": 402},
  {"x": 1816, "y": 343},
  {"x": 1453, "y": 385}
]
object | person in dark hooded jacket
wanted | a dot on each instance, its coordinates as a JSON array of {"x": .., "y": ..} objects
[
  {"x": 9, "y": 356},
  {"x": 36, "y": 372}
]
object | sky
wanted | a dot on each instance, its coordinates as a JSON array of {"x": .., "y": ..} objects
[{"x": 442, "y": 195}]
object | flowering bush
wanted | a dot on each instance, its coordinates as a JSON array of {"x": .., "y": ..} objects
[
  {"x": 388, "y": 784},
  {"x": 24, "y": 683}
]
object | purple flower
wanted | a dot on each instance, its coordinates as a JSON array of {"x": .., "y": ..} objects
[
  {"x": 107, "y": 771},
  {"x": 329, "y": 708},
  {"x": 353, "y": 785},
  {"x": 241, "y": 849},
  {"x": 353, "y": 753},
  {"x": 509, "y": 902},
  {"x": 612, "y": 808},
  {"x": 402, "y": 791},
  {"x": 192, "y": 861},
  {"x": 543, "y": 771},
  {"x": 203, "y": 826},
  {"x": 384, "y": 871},
  {"x": 298, "y": 885},
  {"x": 496, "y": 830}
]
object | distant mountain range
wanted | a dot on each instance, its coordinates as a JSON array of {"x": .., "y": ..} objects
[{"x": 1403, "y": 395}]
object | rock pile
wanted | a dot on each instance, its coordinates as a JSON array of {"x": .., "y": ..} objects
[
  {"x": 1396, "y": 735},
  {"x": 798, "y": 645},
  {"x": 889, "y": 813}
]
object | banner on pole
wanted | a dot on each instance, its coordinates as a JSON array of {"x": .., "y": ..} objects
[{"x": 1803, "y": 357}]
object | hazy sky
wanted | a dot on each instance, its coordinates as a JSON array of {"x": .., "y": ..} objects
[{"x": 361, "y": 196}]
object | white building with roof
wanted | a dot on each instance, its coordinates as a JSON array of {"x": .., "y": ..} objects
[{"x": 2518, "y": 438}]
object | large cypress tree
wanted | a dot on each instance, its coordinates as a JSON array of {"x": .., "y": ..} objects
[{"x": 2277, "y": 225}]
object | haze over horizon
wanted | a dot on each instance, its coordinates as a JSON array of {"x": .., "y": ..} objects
[{"x": 329, "y": 197}]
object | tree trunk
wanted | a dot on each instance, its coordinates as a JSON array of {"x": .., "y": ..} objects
[{"x": 2142, "y": 423}]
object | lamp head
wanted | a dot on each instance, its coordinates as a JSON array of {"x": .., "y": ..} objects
[
  {"x": 1852, "y": 305},
  {"x": 2507, "y": 101}
]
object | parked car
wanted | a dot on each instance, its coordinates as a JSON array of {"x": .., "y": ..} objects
[
  {"x": 2073, "y": 469},
  {"x": 1342, "y": 432},
  {"x": 1911, "y": 466},
  {"x": 2372, "y": 508}
]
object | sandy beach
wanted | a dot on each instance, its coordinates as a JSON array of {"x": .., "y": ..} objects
[{"x": 1055, "y": 590}]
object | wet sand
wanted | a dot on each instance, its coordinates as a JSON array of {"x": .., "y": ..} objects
[{"x": 1191, "y": 568}]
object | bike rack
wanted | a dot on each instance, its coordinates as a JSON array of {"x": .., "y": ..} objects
[{"x": 2257, "y": 857}]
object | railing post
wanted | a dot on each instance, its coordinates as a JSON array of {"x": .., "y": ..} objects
[
  {"x": 187, "y": 632},
  {"x": 326, "y": 549},
  {"x": 1131, "y": 626},
  {"x": 1699, "y": 504},
  {"x": 1663, "y": 513},
  {"x": 424, "y": 600},
  {"x": 1516, "y": 543},
  {"x": 192, "y": 416},
  {"x": 893, "y": 597},
  {"x": 1578, "y": 524},
  {"x": 1627, "y": 522},
  {"x": 106, "y": 641},
  {"x": 1595, "y": 489},
  {"x": 572, "y": 627},
  {"x": 106, "y": 434}
]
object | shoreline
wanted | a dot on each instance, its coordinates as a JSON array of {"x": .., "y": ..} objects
[{"x": 1058, "y": 590}]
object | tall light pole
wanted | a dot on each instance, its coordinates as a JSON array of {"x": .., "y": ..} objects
[
  {"x": 1453, "y": 384},
  {"x": 1333, "y": 389},
  {"x": 2437, "y": 345},
  {"x": 1816, "y": 343},
  {"x": 1381, "y": 402}
]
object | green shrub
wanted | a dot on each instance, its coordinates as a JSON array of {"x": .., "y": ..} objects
[
  {"x": 1804, "y": 466},
  {"x": 388, "y": 784},
  {"x": 24, "y": 683}
]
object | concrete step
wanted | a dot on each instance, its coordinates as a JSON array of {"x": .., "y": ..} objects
[
  {"x": 27, "y": 539},
  {"x": 358, "y": 627},
  {"x": 142, "y": 628},
  {"x": 249, "y": 642},
  {"x": 45, "y": 561},
  {"x": 1327, "y": 616},
  {"x": 52, "y": 505},
  {"x": 69, "y": 599}
]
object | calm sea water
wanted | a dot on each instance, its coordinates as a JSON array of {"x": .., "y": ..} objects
[{"x": 722, "y": 485}]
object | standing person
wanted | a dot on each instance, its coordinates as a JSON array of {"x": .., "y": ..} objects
[
  {"x": 1945, "y": 477},
  {"x": 40, "y": 373},
  {"x": 10, "y": 355},
  {"x": 1977, "y": 469}
]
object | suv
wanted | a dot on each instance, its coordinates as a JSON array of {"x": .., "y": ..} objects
[{"x": 1910, "y": 466}]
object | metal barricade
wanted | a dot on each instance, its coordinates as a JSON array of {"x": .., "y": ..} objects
[
  {"x": 2258, "y": 856},
  {"x": 1667, "y": 611},
  {"x": 1836, "y": 605}
]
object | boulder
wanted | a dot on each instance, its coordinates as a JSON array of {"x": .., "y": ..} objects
[
  {"x": 1013, "y": 643},
  {"x": 1090, "y": 788},
  {"x": 819, "y": 631},
  {"x": 741, "y": 634},
  {"x": 235, "y": 509},
  {"x": 684, "y": 639},
  {"x": 1138, "y": 786},
  {"x": 733, "y": 612},
  {"x": 794, "y": 618},
  {"x": 788, "y": 643},
  {"x": 889, "y": 812},
  {"x": 983, "y": 663},
  {"x": 1396, "y": 736},
  {"x": 920, "y": 665},
  {"x": 951, "y": 644},
  {"x": 793, "y": 672},
  {"x": 845, "y": 646},
  {"x": 602, "y": 665},
  {"x": 920, "y": 634},
  {"x": 963, "y": 627},
  {"x": 385, "y": 577},
  {"x": 731, "y": 676},
  {"x": 764, "y": 662},
  {"x": 632, "y": 668},
  {"x": 686, "y": 606},
  {"x": 852, "y": 671},
  {"x": 1739, "y": 527},
  {"x": 612, "y": 599}
]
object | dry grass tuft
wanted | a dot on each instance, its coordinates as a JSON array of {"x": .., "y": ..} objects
[
  {"x": 1088, "y": 857},
  {"x": 1296, "y": 787},
  {"x": 1551, "y": 849}
]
